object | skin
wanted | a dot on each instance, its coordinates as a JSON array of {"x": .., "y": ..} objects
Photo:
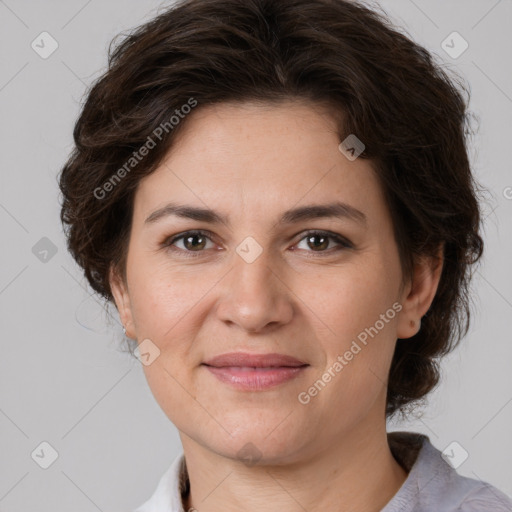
[{"x": 251, "y": 162}]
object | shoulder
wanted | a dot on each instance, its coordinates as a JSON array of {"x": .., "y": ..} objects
[
  {"x": 433, "y": 484},
  {"x": 452, "y": 491},
  {"x": 483, "y": 496}
]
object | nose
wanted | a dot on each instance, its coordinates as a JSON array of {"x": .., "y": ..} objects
[{"x": 256, "y": 296}]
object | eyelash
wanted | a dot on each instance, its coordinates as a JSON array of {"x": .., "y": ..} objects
[{"x": 167, "y": 244}]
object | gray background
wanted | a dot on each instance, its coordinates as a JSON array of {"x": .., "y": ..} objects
[{"x": 64, "y": 380}]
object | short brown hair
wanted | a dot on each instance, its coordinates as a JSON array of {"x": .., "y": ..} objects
[{"x": 379, "y": 84}]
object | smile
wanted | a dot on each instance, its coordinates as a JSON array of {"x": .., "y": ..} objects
[{"x": 255, "y": 378}]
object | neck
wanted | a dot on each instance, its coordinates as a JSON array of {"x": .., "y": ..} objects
[{"x": 357, "y": 473}]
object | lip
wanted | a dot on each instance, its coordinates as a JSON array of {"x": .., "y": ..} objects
[
  {"x": 254, "y": 360},
  {"x": 255, "y": 372}
]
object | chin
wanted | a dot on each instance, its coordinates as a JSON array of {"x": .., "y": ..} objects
[{"x": 255, "y": 447}]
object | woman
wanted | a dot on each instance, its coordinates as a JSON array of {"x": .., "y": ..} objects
[{"x": 278, "y": 199}]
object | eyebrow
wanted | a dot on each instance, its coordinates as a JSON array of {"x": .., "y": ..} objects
[{"x": 302, "y": 213}]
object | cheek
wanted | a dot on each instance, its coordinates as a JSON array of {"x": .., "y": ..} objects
[
  {"x": 177, "y": 396},
  {"x": 355, "y": 299},
  {"x": 163, "y": 299},
  {"x": 360, "y": 312}
]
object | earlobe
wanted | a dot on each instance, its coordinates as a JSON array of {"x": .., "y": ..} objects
[
  {"x": 420, "y": 293},
  {"x": 122, "y": 301}
]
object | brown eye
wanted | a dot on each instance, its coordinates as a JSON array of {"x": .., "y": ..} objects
[
  {"x": 193, "y": 242},
  {"x": 319, "y": 241}
]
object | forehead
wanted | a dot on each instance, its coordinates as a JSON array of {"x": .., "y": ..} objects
[{"x": 258, "y": 158}]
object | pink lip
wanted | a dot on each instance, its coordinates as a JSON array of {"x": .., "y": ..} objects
[
  {"x": 255, "y": 379},
  {"x": 254, "y": 360},
  {"x": 254, "y": 372}
]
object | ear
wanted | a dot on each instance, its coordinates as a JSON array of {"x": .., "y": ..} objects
[
  {"x": 122, "y": 300},
  {"x": 419, "y": 293}
]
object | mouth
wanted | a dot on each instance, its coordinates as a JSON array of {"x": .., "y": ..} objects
[
  {"x": 255, "y": 372},
  {"x": 244, "y": 359}
]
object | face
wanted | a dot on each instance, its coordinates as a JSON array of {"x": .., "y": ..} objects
[{"x": 322, "y": 287}]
